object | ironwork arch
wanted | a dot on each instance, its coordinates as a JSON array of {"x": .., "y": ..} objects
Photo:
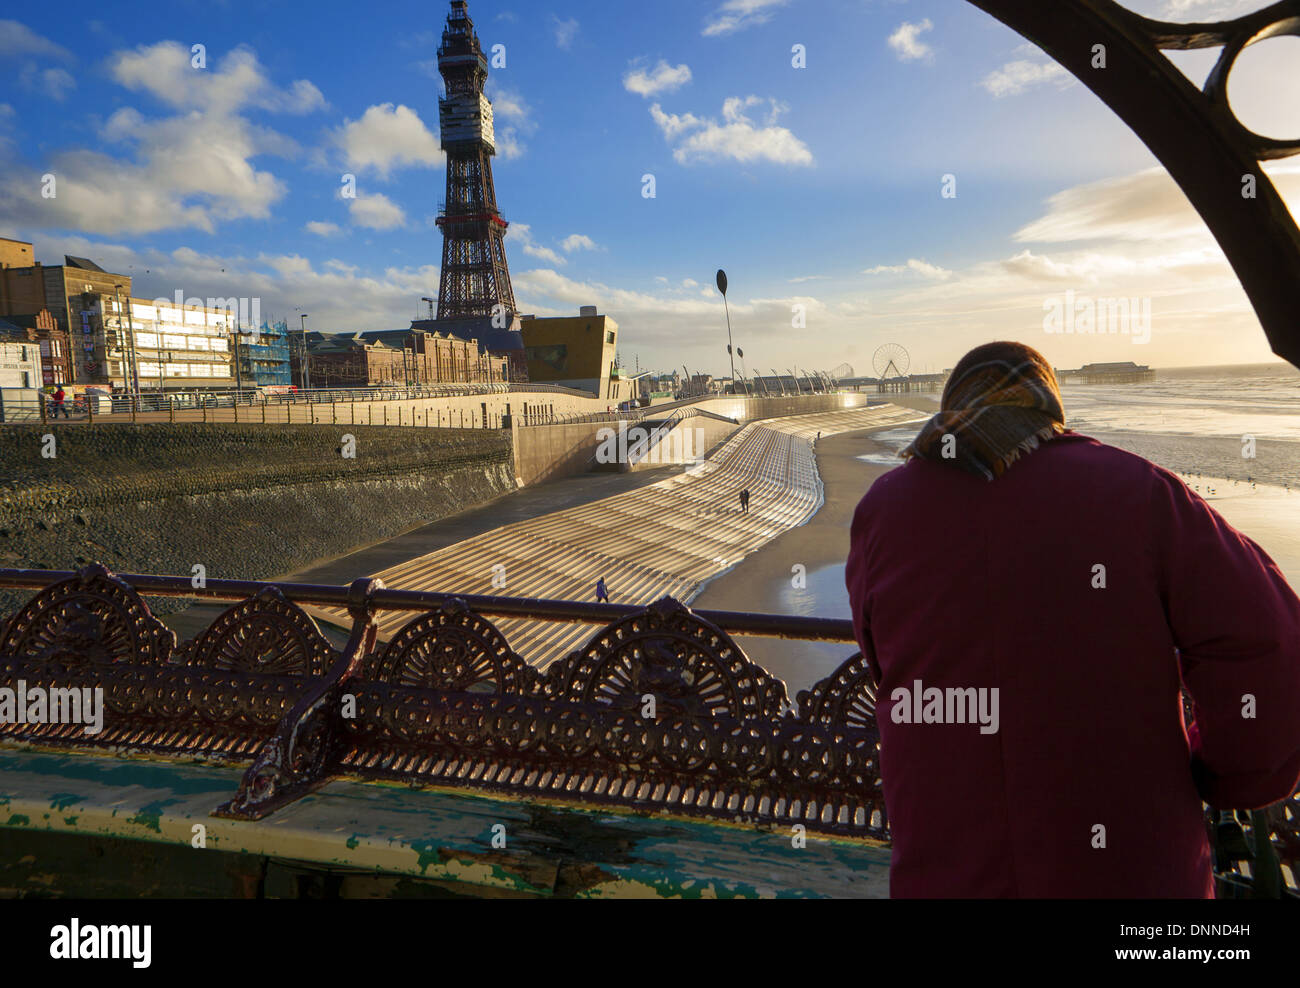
[{"x": 1193, "y": 132}]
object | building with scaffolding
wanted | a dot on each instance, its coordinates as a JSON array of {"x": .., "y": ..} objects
[{"x": 263, "y": 357}]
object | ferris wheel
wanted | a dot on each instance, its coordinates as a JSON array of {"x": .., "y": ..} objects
[{"x": 891, "y": 360}]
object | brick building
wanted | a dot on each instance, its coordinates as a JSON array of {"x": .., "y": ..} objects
[
  {"x": 396, "y": 358},
  {"x": 44, "y": 331},
  {"x": 66, "y": 290}
]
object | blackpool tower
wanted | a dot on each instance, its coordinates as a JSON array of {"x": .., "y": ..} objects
[{"x": 475, "y": 279}]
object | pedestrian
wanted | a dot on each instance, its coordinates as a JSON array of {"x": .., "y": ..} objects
[
  {"x": 58, "y": 400},
  {"x": 744, "y": 500},
  {"x": 602, "y": 594},
  {"x": 1069, "y": 591}
]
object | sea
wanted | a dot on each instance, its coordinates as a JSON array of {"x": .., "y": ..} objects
[{"x": 1231, "y": 433}]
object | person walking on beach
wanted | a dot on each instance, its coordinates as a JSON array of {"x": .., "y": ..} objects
[
  {"x": 1030, "y": 602},
  {"x": 58, "y": 399},
  {"x": 744, "y": 500},
  {"x": 602, "y": 595}
]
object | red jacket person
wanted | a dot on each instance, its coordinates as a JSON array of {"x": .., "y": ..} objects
[{"x": 1031, "y": 602}]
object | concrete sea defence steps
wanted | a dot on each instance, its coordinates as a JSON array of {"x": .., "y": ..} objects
[{"x": 668, "y": 538}]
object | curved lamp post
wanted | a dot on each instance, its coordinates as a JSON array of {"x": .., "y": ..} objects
[{"x": 722, "y": 287}]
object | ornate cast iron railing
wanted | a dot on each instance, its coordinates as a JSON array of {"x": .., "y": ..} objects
[
  {"x": 447, "y": 702},
  {"x": 1193, "y": 132}
]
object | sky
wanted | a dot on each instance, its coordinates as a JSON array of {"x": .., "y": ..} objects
[{"x": 819, "y": 187}]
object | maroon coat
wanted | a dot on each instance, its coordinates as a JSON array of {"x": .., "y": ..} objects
[{"x": 958, "y": 582}]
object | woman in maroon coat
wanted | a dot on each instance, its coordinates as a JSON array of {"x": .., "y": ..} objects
[{"x": 1031, "y": 602}]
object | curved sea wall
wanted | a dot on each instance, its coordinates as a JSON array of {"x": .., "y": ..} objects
[{"x": 244, "y": 501}]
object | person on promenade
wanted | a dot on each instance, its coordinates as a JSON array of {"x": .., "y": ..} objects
[
  {"x": 58, "y": 399},
  {"x": 602, "y": 595},
  {"x": 744, "y": 500},
  {"x": 1030, "y": 602}
]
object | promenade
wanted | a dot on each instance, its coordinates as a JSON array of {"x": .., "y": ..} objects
[{"x": 668, "y": 538}]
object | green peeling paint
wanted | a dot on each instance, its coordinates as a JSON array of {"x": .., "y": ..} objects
[
  {"x": 62, "y": 800},
  {"x": 18, "y": 820},
  {"x": 428, "y": 854},
  {"x": 151, "y": 816}
]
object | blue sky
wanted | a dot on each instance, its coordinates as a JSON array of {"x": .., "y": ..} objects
[{"x": 817, "y": 188}]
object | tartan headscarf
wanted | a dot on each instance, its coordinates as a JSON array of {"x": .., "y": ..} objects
[{"x": 1001, "y": 400}]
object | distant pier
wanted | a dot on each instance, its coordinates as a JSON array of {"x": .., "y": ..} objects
[
  {"x": 1123, "y": 372},
  {"x": 906, "y": 384}
]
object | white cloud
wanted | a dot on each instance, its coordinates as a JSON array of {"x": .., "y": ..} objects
[
  {"x": 522, "y": 234},
  {"x": 737, "y": 137},
  {"x": 387, "y": 137},
  {"x": 736, "y": 15},
  {"x": 376, "y": 211},
  {"x": 513, "y": 118},
  {"x": 18, "y": 39},
  {"x": 54, "y": 83},
  {"x": 189, "y": 170},
  {"x": 237, "y": 82},
  {"x": 914, "y": 266},
  {"x": 663, "y": 78},
  {"x": 1015, "y": 77},
  {"x": 322, "y": 229},
  {"x": 907, "y": 44},
  {"x": 565, "y": 31},
  {"x": 577, "y": 241},
  {"x": 343, "y": 297}
]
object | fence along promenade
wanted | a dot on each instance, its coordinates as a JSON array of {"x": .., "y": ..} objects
[{"x": 317, "y": 407}]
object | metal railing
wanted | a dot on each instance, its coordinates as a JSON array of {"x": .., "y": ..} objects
[{"x": 33, "y": 406}]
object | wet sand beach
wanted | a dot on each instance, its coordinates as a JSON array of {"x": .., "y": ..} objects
[
  {"x": 850, "y": 462},
  {"x": 762, "y": 581}
]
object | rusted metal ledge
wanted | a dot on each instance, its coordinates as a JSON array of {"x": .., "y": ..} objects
[{"x": 579, "y": 612}]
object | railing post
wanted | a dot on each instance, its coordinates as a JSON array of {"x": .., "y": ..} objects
[{"x": 171, "y": 409}]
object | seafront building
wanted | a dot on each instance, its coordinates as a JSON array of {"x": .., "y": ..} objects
[
  {"x": 397, "y": 358},
  {"x": 20, "y": 365},
  {"x": 578, "y": 352},
  {"x": 40, "y": 328},
  {"x": 262, "y": 356}
]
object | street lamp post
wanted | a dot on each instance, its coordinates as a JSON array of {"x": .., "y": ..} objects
[
  {"x": 133, "y": 384},
  {"x": 722, "y": 287},
  {"x": 306, "y": 379}
]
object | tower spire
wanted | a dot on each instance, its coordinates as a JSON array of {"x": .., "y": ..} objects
[{"x": 475, "y": 279}]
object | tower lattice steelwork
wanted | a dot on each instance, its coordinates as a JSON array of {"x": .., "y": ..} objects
[{"x": 475, "y": 278}]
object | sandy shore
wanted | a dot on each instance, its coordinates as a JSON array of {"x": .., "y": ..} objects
[{"x": 762, "y": 581}]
